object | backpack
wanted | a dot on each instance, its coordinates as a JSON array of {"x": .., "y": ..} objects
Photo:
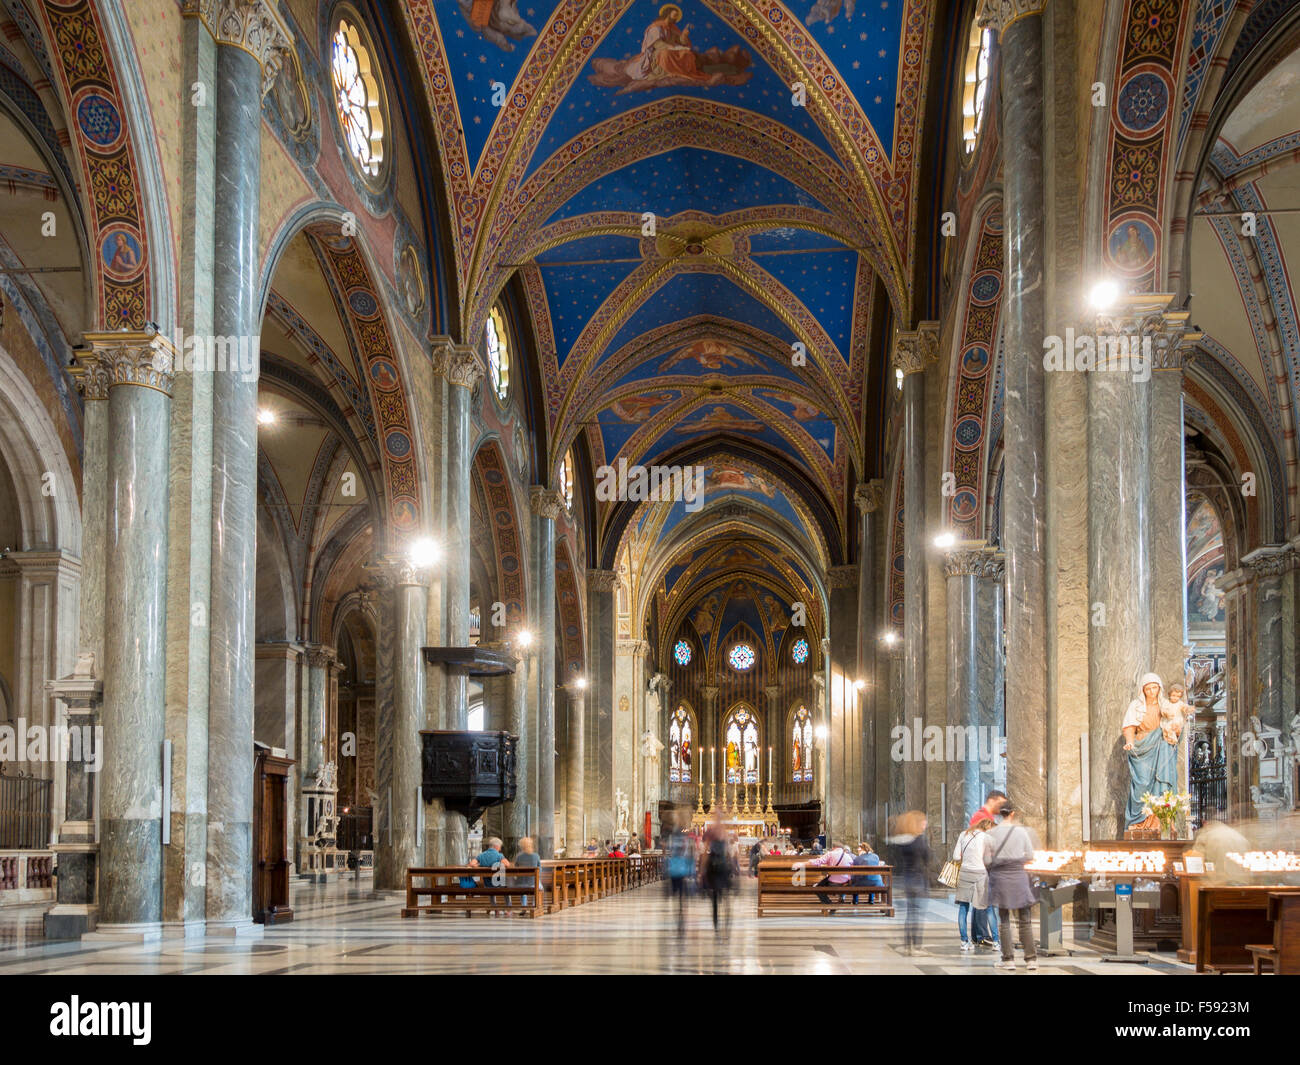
[{"x": 679, "y": 860}]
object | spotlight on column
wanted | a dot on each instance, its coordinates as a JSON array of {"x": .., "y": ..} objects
[
  {"x": 945, "y": 540},
  {"x": 890, "y": 637},
  {"x": 1104, "y": 295},
  {"x": 423, "y": 552},
  {"x": 524, "y": 638},
  {"x": 860, "y": 684},
  {"x": 820, "y": 732},
  {"x": 265, "y": 416},
  {"x": 580, "y": 683}
]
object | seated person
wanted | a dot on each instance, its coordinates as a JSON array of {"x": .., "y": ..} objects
[
  {"x": 527, "y": 858},
  {"x": 592, "y": 849},
  {"x": 836, "y": 856},
  {"x": 866, "y": 856},
  {"x": 615, "y": 851},
  {"x": 491, "y": 858}
]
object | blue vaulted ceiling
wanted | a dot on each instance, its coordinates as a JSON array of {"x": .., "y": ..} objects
[{"x": 699, "y": 249}]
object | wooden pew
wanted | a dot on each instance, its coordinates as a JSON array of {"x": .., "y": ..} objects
[
  {"x": 520, "y": 891},
  {"x": 1231, "y": 917},
  {"x": 786, "y": 886},
  {"x": 1283, "y": 954}
]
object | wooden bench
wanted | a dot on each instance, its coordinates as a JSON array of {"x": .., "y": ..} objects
[
  {"x": 508, "y": 891},
  {"x": 792, "y": 886},
  {"x": 1283, "y": 954},
  {"x": 1231, "y": 917}
]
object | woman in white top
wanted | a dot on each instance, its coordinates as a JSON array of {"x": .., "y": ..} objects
[{"x": 973, "y": 879}]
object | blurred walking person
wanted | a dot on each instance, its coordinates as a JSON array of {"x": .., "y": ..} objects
[
  {"x": 681, "y": 867},
  {"x": 1006, "y": 850},
  {"x": 913, "y": 863}
]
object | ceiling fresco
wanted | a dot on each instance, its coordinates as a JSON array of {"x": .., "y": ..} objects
[{"x": 702, "y": 202}]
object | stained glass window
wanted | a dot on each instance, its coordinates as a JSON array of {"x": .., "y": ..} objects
[
  {"x": 977, "y": 84},
  {"x": 680, "y": 747},
  {"x": 741, "y": 752},
  {"x": 801, "y": 755},
  {"x": 799, "y": 652},
  {"x": 682, "y": 653},
  {"x": 741, "y": 657},
  {"x": 358, "y": 100},
  {"x": 497, "y": 340}
]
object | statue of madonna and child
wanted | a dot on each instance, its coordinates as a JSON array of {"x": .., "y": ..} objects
[{"x": 1152, "y": 726}]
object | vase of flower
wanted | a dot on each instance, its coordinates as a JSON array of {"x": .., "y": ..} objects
[{"x": 1165, "y": 808}]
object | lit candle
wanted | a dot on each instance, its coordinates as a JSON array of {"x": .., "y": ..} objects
[
  {"x": 713, "y": 769},
  {"x": 769, "y": 763}
]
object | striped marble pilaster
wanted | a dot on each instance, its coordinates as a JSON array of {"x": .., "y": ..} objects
[
  {"x": 545, "y": 504},
  {"x": 575, "y": 771}
]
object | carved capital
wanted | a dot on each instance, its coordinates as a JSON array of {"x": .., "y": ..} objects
[
  {"x": 1272, "y": 560},
  {"x": 842, "y": 577},
  {"x": 396, "y": 571},
  {"x": 602, "y": 580},
  {"x": 545, "y": 502},
  {"x": 1174, "y": 344},
  {"x": 458, "y": 363},
  {"x": 974, "y": 560},
  {"x": 319, "y": 656},
  {"x": 999, "y": 14},
  {"x": 254, "y": 26},
  {"x": 632, "y": 647},
  {"x": 915, "y": 350},
  {"x": 870, "y": 496},
  {"x": 710, "y": 693},
  {"x": 146, "y": 360}
]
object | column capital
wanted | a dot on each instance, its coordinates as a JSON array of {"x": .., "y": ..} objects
[
  {"x": 396, "y": 571},
  {"x": 870, "y": 496},
  {"x": 1174, "y": 344},
  {"x": 144, "y": 359},
  {"x": 50, "y": 565},
  {"x": 841, "y": 577},
  {"x": 710, "y": 693},
  {"x": 1271, "y": 560},
  {"x": 818, "y": 681},
  {"x": 915, "y": 349},
  {"x": 974, "y": 558},
  {"x": 253, "y": 26},
  {"x": 632, "y": 647},
  {"x": 999, "y": 14},
  {"x": 319, "y": 656},
  {"x": 545, "y": 502},
  {"x": 458, "y": 363},
  {"x": 773, "y": 693},
  {"x": 602, "y": 580}
]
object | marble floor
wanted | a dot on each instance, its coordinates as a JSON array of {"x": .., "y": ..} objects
[{"x": 342, "y": 928}]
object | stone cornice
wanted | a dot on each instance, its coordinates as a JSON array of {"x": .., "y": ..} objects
[
  {"x": 458, "y": 363},
  {"x": 601, "y": 580},
  {"x": 545, "y": 502},
  {"x": 253, "y": 26},
  {"x": 870, "y": 496},
  {"x": 842, "y": 577},
  {"x": 631, "y": 647},
  {"x": 1272, "y": 560},
  {"x": 915, "y": 350},
  {"x": 143, "y": 359},
  {"x": 974, "y": 560}
]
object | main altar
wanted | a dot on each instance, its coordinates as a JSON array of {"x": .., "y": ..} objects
[{"x": 736, "y": 813}]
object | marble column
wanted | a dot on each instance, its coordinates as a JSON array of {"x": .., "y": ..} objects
[
  {"x": 1024, "y": 499},
  {"x": 974, "y": 572},
  {"x": 913, "y": 351},
  {"x": 845, "y": 722},
  {"x": 517, "y": 820},
  {"x": 575, "y": 771},
  {"x": 546, "y": 504},
  {"x": 463, "y": 369},
  {"x": 319, "y": 660},
  {"x": 653, "y": 743},
  {"x": 869, "y": 498},
  {"x": 1270, "y": 790},
  {"x": 1121, "y": 572},
  {"x": 404, "y": 590},
  {"x": 252, "y": 41},
  {"x": 139, "y": 368},
  {"x": 602, "y": 622}
]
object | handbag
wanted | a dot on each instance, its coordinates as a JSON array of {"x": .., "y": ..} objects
[{"x": 952, "y": 869}]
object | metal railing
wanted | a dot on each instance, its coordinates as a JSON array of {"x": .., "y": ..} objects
[
  {"x": 24, "y": 813},
  {"x": 1208, "y": 784}
]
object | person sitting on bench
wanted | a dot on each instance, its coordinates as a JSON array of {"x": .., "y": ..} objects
[
  {"x": 866, "y": 856},
  {"x": 836, "y": 856},
  {"x": 491, "y": 858}
]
